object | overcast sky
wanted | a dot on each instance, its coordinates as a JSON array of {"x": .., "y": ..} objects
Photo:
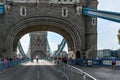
[{"x": 107, "y": 30}]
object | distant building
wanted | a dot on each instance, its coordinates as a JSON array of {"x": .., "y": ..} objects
[
  {"x": 63, "y": 54},
  {"x": 100, "y": 53},
  {"x": 118, "y": 53},
  {"x": 105, "y": 53},
  {"x": 114, "y": 53}
]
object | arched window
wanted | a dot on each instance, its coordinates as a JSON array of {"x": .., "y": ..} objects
[
  {"x": 93, "y": 21},
  {"x": 64, "y": 11},
  {"x": 79, "y": 10},
  {"x": 23, "y": 11}
]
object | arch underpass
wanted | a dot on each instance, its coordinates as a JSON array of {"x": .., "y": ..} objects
[
  {"x": 38, "y": 54},
  {"x": 67, "y": 20},
  {"x": 44, "y": 24}
]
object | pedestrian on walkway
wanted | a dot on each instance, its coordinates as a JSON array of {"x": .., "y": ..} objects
[
  {"x": 37, "y": 60},
  {"x": 113, "y": 64},
  {"x": 5, "y": 62},
  {"x": 31, "y": 59},
  {"x": 70, "y": 61}
]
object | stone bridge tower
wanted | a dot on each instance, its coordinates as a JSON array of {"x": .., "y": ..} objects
[
  {"x": 38, "y": 44},
  {"x": 64, "y": 17}
]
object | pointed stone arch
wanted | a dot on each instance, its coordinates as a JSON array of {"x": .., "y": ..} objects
[{"x": 44, "y": 23}]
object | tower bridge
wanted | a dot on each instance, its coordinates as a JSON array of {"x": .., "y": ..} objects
[
  {"x": 19, "y": 17},
  {"x": 67, "y": 18},
  {"x": 75, "y": 20},
  {"x": 38, "y": 44}
]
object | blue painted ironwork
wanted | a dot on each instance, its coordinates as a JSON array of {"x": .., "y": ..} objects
[
  {"x": 48, "y": 48},
  {"x": 61, "y": 47},
  {"x": 21, "y": 50},
  {"x": 96, "y": 62},
  {"x": 2, "y": 8},
  {"x": 112, "y": 16},
  {"x": 29, "y": 48},
  {"x": 10, "y": 64}
]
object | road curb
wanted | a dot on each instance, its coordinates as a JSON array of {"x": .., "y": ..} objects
[
  {"x": 7, "y": 69},
  {"x": 10, "y": 68}
]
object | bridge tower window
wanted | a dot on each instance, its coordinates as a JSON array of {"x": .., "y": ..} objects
[
  {"x": 79, "y": 10},
  {"x": 23, "y": 11},
  {"x": 93, "y": 21},
  {"x": 65, "y": 12}
]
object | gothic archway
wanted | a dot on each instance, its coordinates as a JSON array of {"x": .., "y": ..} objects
[
  {"x": 39, "y": 23},
  {"x": 37, "y": 54}
]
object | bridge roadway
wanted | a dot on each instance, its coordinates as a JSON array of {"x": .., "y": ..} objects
[
  {"x": 33, "y": 71},
  {"x": 102, "y": 73}
]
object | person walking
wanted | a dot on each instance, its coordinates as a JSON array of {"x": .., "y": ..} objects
[
  {"x": 70, "y": 61},
  {"x": 37, "y": 60},
  {"x": 113, "y": 64},
  {"x": 5, "y": 62}
]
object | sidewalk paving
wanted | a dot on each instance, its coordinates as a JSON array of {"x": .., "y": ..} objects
[{"x": 102, "y": 73}]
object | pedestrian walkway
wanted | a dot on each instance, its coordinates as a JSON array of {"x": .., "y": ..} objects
[{"x": 102, "y": 73}]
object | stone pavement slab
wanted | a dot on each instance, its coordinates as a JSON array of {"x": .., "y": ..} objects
[{"x": 102, "y": 73}]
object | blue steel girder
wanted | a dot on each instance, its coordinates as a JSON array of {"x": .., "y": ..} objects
[
  {"x": 21, "y": 50},
  {"x": 112, "y": 16},
  {"x": 61, "y": 47},
  {"x": 48, "y": 47},
  {"x": 2, "y": 8}
]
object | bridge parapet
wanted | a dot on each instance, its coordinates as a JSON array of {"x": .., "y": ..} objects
[
  {"x": 48, "y": 1},
  {"x": 73, "y": 73}
]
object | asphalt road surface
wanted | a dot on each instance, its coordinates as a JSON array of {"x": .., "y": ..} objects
[{"x": 42, "y": 70}]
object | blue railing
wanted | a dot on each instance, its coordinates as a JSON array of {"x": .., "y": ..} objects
[
  {"x": 9, "y": 64},
  {"x": 96, "y": 62}
]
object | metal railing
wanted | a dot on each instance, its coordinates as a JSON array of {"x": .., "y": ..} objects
[
  {"x": 73, "y": 73},
  {"x": 96, "y": 62},
  {"x": 9, "y": 64}
]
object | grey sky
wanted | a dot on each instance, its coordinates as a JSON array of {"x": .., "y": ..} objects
[{"x": 107, "y": 30}]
